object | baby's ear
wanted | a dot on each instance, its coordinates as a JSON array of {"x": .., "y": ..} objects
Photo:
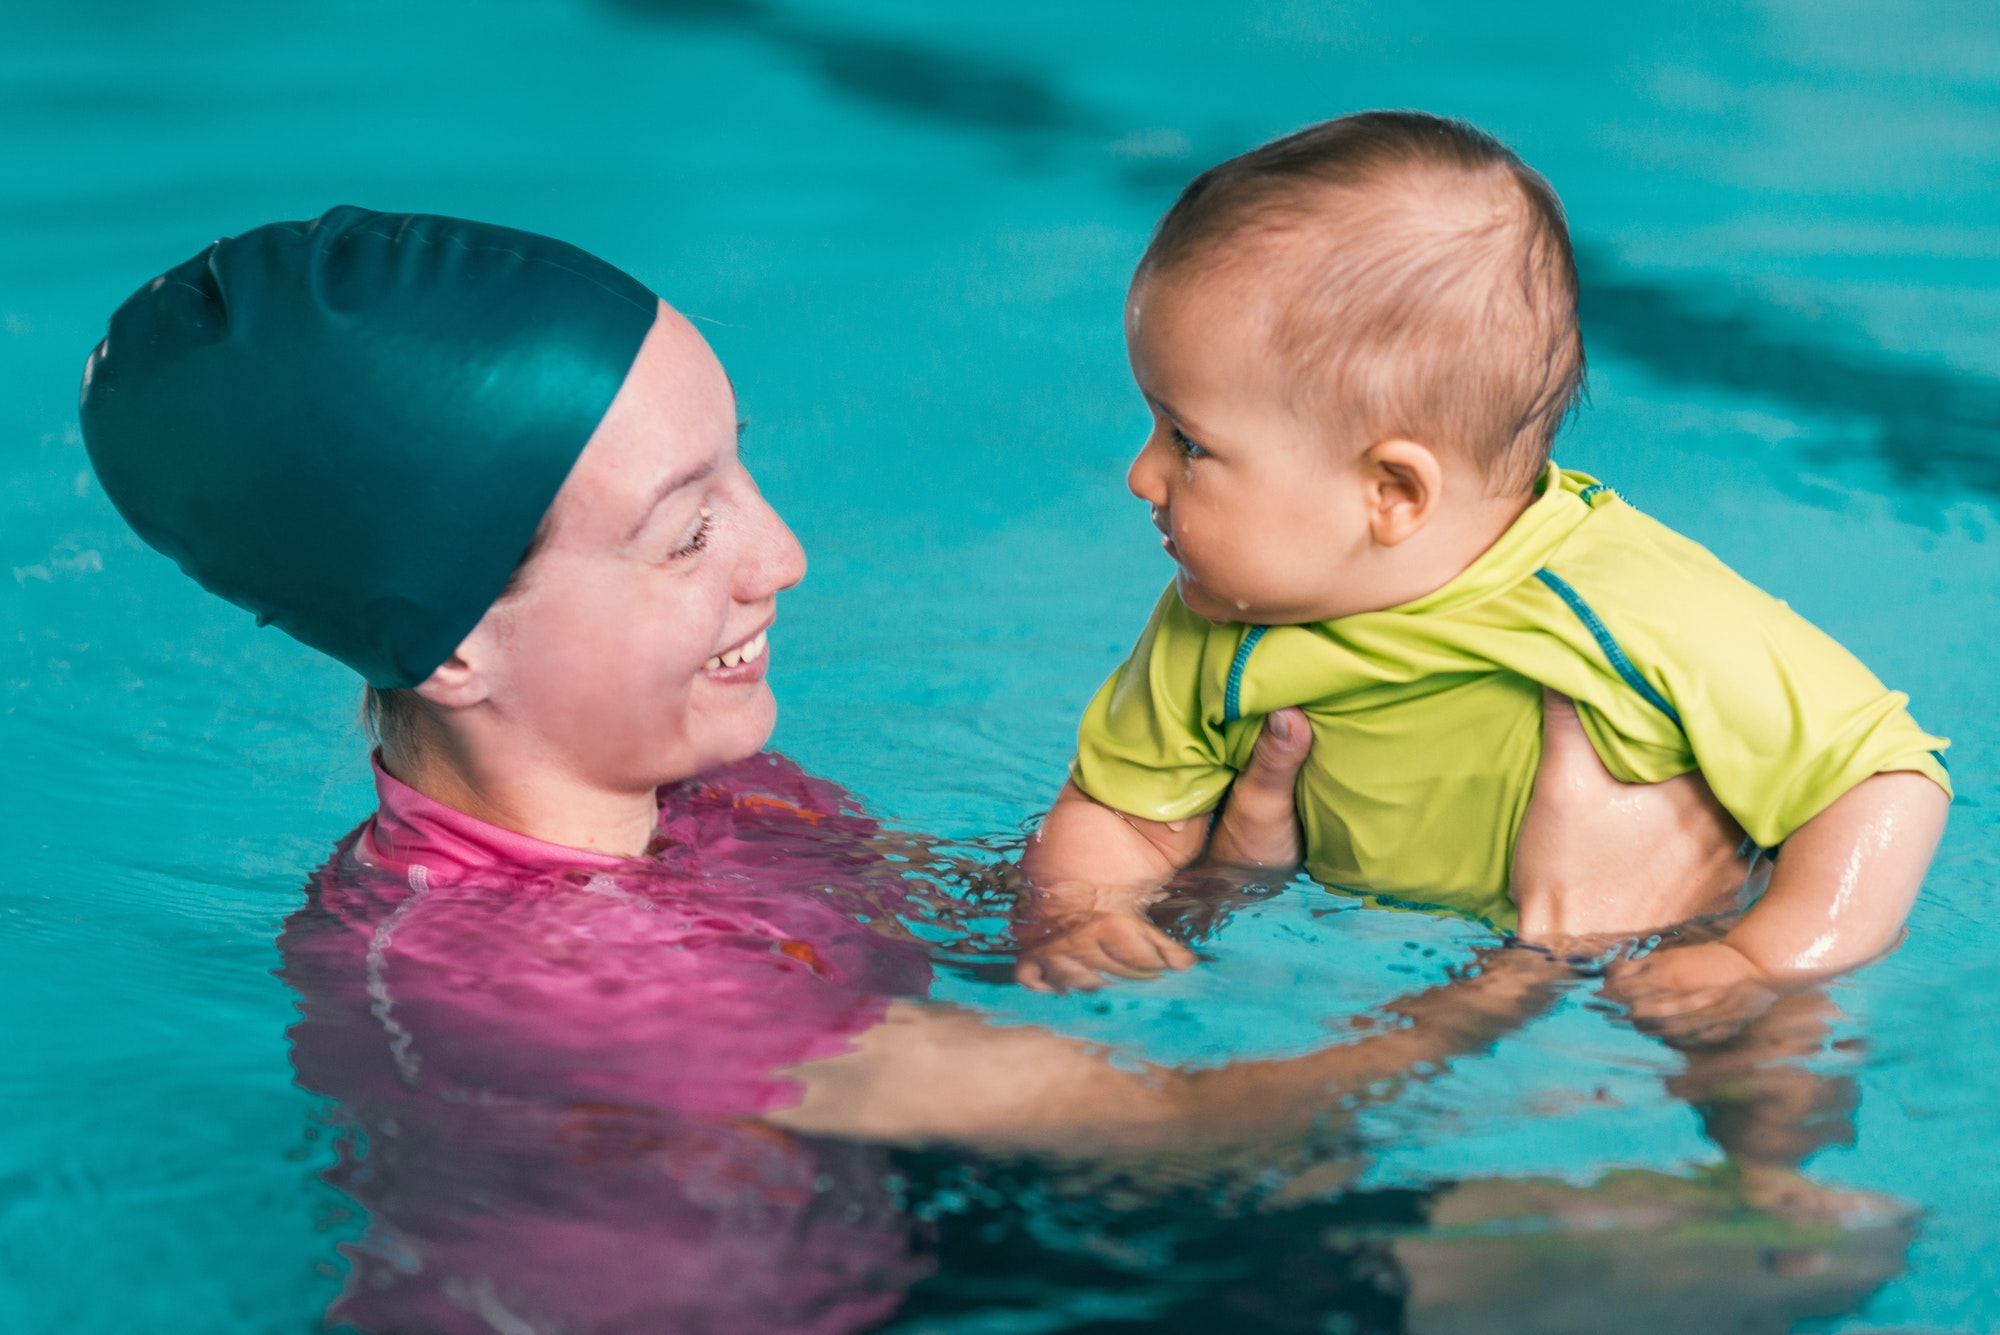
[{"x": 1404, "y": 482}]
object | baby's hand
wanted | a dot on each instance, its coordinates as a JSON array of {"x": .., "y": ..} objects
[
  {"x": 1694, "y": 996},
  {"x": 1082, "y": 953}
]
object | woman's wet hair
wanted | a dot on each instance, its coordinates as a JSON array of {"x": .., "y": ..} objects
[
  {"x": 389, "y": 714},
  {"x": 1420, "y": 281}
]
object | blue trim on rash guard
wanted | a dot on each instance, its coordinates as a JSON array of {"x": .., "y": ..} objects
[
  {"x": 1232, "y": 698},
  {"x": 1605, "y": 641}
]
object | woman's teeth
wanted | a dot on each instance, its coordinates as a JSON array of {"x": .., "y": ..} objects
[{"x": 749, "y": 651}]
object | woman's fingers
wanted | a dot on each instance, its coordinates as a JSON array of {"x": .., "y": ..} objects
[
  {"x": 1282, "y": 747},
  {"x": 1558, "y": 858},
  {"x": 1577, "y": 765},
  {"x": 1260, "y": 824},
  {"x": 1596, "y": 856}
]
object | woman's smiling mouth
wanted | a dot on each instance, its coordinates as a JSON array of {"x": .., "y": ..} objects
[{"x": 745, "y": 662}]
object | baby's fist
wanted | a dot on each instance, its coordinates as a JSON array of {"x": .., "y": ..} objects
[
  {"x": 1081, "y": 954},
  {"x": 1692, "y": 996}
]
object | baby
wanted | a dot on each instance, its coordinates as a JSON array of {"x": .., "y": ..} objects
[{"x": 1357, "y": 343}]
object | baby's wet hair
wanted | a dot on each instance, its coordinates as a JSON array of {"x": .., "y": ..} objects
[{"x": 1425, "y": 284}]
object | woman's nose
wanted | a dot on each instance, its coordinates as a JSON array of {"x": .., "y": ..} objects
[{"x": 772, "y": 560}]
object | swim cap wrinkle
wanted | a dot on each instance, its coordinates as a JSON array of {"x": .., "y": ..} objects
[{"x": 352, "y": 426}]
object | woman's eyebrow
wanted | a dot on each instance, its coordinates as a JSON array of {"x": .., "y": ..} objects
[{"x": 668, "y": 488}]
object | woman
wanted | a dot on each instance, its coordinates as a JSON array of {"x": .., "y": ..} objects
[{"x": 590, "y": 942}]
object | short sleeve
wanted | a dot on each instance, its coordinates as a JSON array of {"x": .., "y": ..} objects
[
  {"x": 1145, "y": 746},
  {"x": 1781, "y": 718},
  {"x": 1801, "y": 723}
]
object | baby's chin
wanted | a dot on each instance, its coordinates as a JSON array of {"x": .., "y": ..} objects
[
  {"x": 1206, "y": 602},
  {"x": 1228, "y": 609}
]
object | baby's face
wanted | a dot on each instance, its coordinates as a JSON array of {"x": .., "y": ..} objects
[{"x": 1263, "y": 513}]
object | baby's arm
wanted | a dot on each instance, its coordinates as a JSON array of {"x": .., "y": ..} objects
[
  {"x": 1094, "y": 869},
  {"x": 1837, "y": 899}
]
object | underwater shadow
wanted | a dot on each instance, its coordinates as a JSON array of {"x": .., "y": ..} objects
[
  {"x": 895, "y": 73},
  {"x": 1929, "y": 424}
]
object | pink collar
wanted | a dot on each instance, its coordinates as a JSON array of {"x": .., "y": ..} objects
[{"x": 410, "y": 831}]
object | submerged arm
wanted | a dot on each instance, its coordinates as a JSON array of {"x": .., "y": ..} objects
[{"x": 931, "y": 1074}]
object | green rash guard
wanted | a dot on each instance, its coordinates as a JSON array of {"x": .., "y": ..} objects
[{"x": 1427, "y": 718}]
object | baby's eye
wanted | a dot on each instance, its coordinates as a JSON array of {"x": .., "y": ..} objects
[
  {"x": 1187, "y": 448},
  {"x": 695, "y": 538}
]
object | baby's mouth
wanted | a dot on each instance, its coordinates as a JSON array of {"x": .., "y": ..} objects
[{"x": 749, "y": 651}]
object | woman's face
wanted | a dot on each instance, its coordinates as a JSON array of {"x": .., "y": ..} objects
[{"x": 635, "y": 651}]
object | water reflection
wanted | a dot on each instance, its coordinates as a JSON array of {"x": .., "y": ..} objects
[
  {"x": 1501, "y": 1256},
  {"x": 553, "y": 1092}
]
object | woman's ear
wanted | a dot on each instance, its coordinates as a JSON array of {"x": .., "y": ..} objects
[
  {"x": 457, "y": 683},
  {"x": 1404, "y": 485}
]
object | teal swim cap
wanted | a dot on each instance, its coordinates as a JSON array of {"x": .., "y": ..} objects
[{"x": 353, "y": 426}]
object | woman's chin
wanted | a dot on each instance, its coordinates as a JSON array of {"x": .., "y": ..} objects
[{"x": 740, "y": 730}]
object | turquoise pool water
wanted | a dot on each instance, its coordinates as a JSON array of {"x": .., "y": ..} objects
[{"x": 907, "y": 228}]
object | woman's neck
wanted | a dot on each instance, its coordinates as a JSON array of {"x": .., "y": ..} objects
[{"x": 522, "y": 792}]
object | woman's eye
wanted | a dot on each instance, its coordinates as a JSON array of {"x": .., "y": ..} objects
[{"x": 696, "y": 537}]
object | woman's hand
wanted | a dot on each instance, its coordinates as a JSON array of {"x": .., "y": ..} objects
[
  {"x": 1599, "y": 859},
  {"x": 1260, "y": 819}
]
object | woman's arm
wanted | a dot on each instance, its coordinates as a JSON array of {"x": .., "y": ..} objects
[{"x": 933, "y": 1074}]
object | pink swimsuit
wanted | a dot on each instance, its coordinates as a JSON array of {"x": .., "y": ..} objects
[{"x": 549, "y": 1063}]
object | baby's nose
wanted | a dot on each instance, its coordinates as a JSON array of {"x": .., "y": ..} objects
[{"x": 1146, "y": 481}]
